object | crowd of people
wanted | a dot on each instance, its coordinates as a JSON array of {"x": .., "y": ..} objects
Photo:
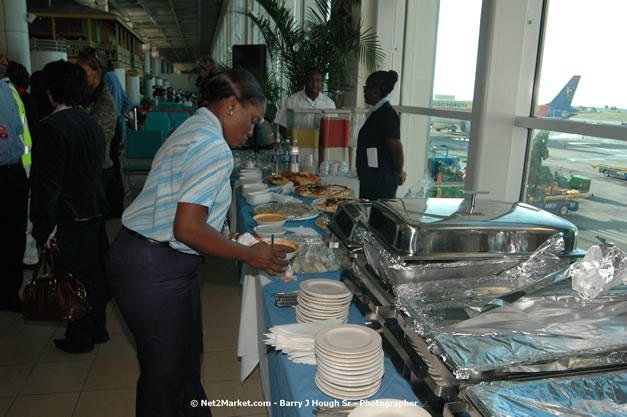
[{"x": 162, "y": 94}]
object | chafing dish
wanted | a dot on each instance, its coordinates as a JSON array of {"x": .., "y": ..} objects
[
  {"x": 454, "y": 228},
  {"x": 349, "y": 216}
]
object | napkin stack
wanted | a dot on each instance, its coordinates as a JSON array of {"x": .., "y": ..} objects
[{"x": 297, "y": 340}]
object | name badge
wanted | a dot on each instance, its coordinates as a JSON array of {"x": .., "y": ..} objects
[{"x": 373, "y": 161}]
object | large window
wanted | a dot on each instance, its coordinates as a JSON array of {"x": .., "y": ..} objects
[
  {"x": 577, "y": 157},
  {"x": 456, "y": 54},
  {"x": 583, "y": 71}
]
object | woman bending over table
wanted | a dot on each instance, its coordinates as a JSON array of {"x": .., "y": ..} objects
[{"x": 154, "y": 260}]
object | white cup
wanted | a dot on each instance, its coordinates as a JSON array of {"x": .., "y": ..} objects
[{"x": 333, "y": 168}]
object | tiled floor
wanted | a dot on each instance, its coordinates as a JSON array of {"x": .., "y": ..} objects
[{"x": 38, "y": 380}]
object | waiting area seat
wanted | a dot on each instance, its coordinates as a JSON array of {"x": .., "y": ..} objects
[{"x": 141, "y": 147}]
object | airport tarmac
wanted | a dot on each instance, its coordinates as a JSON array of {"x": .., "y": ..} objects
[{"x": 603, "y": 216}]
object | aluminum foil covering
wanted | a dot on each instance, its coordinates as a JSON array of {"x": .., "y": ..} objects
[
  {"x": 603, "y": 267},
  {"x": 551, "y": 330},
  {"x": 591, "y": 395},
  {"x": 435, "y": 304}
]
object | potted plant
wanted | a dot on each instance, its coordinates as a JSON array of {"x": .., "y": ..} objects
[{"x": 330, "y": 40}]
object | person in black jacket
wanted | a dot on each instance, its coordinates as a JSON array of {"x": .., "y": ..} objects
[
  {"x": 379, "y": 149},
  {"x": 67, "y": 195}
]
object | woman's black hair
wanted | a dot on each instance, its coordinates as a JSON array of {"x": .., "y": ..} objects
[
  {"x": 385, "y": 80},
  {"x": 18, "y": 75},
  {"x": 96, "y": 59},
  {"x": 214, "y": 86},
  {"x": 66, "y": 82}
]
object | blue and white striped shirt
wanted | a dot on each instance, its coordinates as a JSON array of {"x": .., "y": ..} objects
[{"x": 192, "y": 166}]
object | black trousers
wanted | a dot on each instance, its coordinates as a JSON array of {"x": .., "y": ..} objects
[
  {"x": 80, "y": 244},
  {"x": 158, "y": 294},
  {"x": 13, "y": 214}
]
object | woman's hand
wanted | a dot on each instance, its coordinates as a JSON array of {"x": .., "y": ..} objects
[{"x": 264, "y": 257}]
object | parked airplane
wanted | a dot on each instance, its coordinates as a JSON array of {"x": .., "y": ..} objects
[
  {"x": 561, "y": 104},
  {"x": 560, "y": 107}
]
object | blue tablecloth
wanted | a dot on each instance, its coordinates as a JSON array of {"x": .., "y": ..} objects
[{"x": 291, "y": 381}]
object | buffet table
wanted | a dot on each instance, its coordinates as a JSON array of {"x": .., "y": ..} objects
[{"x": 289, "y": 387}]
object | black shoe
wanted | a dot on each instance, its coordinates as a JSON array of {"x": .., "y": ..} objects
[
  {"x": 67, "y": 347},
  {"x": 14, "y": 305}
]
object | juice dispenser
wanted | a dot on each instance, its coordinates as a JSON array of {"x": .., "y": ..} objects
[
  {"x": 334, "y": 135},
  {"x": 304, "y": 125}
]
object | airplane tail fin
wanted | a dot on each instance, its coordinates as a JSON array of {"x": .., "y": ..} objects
[
  {"x": 561, "y": 104},
  {"x": 564, "y": 98}
]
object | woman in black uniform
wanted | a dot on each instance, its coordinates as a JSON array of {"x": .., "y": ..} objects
[{"x": 379, "y": 148}]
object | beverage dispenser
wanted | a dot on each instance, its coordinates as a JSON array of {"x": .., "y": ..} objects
[
  {"x": 334, "y": 135},
  {"x": 304, "y": 125}
]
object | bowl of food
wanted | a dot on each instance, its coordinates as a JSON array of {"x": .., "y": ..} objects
[
  {"x": 270, "y": 218},
  {"x": 268, "y": 230},
  {"x": 258, "y": 197},
  {"x": 289, "y": 247}
]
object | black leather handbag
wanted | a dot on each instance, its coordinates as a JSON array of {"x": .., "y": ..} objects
[{"x": 53, "y": 294}]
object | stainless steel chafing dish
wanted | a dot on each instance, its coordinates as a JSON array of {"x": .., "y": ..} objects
[
  {"x": 349, "y": 216},
  {"x": 454, "y": 229},
  {"x": 417, "y": 240}
]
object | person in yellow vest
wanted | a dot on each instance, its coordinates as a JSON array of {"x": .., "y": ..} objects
[
  {"x": 14, "y": 189},
  {"x": 19, "y": 77},
  {"x": 28, "y": 142}
]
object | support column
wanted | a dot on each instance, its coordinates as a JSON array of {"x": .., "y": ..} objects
[
  {"x": 14, "y": 31},
  {"x": 156, "y": 62},
  {"x": 146, "y": 51},
  {"x": 496, "y": 149}
]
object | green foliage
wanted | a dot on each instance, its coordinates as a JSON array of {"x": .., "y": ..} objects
[
  {"x": 329, "y": 40},
  {"x": 538, "y": 175}
]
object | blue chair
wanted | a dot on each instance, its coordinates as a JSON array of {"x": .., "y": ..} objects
[
  {"x": 141, "y": 147},
  {"x": 158, "y": 122},
  {"x": 177, "y": 118}
]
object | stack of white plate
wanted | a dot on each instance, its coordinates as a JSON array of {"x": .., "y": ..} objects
[
  {"x": 323, "y": 299},
  {"x": 350, "y": 361}
]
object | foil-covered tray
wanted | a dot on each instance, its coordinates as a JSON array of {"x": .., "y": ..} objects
[
  {"x": 598, "y": 395},
  {"x": 436, "y": 304},
  {"x": 454, "y": 228},
  {"x": 551, "y": 330}
]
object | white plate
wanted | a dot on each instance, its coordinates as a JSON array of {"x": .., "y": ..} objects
[
  {"x": 305, "y": 296},
  {"x": 334, "y": 392},
  {"x": 389, "y": 407},
  {"x": 350, "y": 363},
  {"x": 351, "y": 380},
  {"x": 323, "y": 308},
  {"x": 313, "y": 316},
  {"x": 325, "y": 288},
  {"x": 305, "y": 319},
  {"x": 348, "y": 338},
  {"x": 325, "y": 316}
]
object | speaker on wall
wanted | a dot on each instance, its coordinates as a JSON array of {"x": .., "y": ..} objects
[{"x": 251, "y": 58}]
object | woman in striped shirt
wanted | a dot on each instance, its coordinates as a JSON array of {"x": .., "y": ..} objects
[{"x": 178, "y": 215}]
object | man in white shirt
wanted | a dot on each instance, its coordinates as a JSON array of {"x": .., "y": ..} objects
[{"x": 308, "y": 98}]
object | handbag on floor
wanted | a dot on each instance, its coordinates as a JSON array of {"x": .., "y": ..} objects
[{"x": 53, "y": 294}]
